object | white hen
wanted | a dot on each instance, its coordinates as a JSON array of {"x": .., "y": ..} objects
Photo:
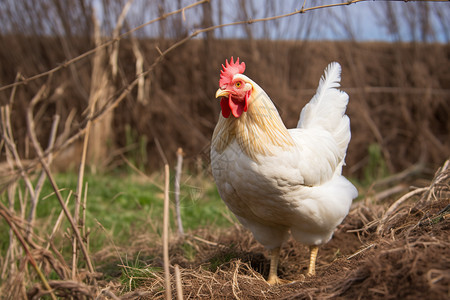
[{"x": 277, "y": 180}]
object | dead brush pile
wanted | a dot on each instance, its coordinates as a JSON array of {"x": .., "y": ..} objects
[{"x": 396, "y": 253}]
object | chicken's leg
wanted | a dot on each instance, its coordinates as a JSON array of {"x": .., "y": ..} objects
[
  {"x": 274, "y": 259},
  {"x": 312, "y": 260}
]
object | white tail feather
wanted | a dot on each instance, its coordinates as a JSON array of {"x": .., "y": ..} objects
[{"x": 326, "y": 109}]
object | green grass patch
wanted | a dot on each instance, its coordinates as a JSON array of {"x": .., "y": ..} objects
[
  {"x": 136, "y": 273},
  {"x": 124, "y": 205}
]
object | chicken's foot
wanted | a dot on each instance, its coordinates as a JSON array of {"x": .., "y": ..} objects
[
  {"x": 312, "y": 260},
  {"x": 274, "y": 259}
]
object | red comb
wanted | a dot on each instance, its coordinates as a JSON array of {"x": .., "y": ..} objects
[{"x": 229, "y": 70}]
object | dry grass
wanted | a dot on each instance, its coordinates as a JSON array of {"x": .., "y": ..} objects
[{"x": 407, "y": 259}]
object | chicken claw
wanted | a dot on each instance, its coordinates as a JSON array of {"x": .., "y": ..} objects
[{"x": 275, "y": 280}]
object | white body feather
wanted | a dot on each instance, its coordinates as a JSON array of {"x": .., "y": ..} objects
[{"x": 297, "y": 188}]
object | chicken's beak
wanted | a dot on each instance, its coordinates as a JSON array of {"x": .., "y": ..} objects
[{"x": 222, "y": 93}]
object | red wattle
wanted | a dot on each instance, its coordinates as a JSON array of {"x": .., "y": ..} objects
[
  {"x": 225, "y": 107},
  {"x": 236, "y": 106}
]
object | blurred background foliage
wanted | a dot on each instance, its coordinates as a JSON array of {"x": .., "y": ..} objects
[{"x": 395, "y": 59}]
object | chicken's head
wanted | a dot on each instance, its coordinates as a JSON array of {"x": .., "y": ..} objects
[{"x": 234, "y": 89}]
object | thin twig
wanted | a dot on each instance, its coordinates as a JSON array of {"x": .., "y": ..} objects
[
  {"x": 166, "y": 232},
  {"x": 34, "y": 200},
  {"x": 80, "y": 191},
  {"x": 161, "y": 152},
  {"x": 361, "y": 250},
  {"x": 389, "y": 192},
  {"x": 115, "y": 52},
  {"x": 83, "y": 220},
  {"x": 205, "y": 241},
  {"x": 58, "y": 223},
  {"x": 179, "y": 283},
  {"x": 141, "y": 89},
  {"x": 177, "y": 190},
  {"x": 235, "y": 284}
]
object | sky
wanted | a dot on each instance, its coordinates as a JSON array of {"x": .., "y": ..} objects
[{"x": 361, "y": 21}]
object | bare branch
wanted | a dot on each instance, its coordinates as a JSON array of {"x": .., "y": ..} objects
[
  {"x": 34, "y": 200},
  {"x": 178, "y": 172},
  {"x": 115, "y": 52},
  {"x": 179, "y": 284},
  {"x": 166, "y": 232}
]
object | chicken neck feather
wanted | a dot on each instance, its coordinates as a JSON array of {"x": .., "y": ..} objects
[{"x": 257, "y": 131}]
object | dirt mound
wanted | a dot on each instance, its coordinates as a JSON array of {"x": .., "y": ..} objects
[{"x": 397, "y": 253}]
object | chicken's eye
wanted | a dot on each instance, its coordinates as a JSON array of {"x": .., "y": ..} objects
[{"x": 238, "y": 84}]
